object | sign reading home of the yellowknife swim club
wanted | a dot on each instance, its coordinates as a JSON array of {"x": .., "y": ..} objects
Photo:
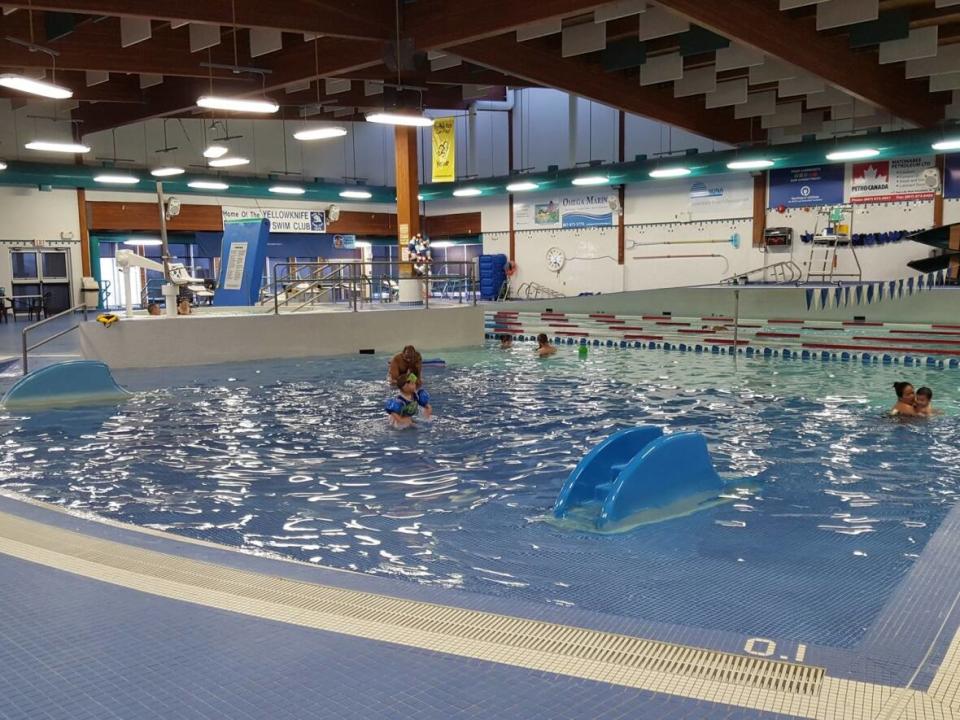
[{"x": 282, "y": 220}]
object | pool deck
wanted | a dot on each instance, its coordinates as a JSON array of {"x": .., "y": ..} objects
[{"x": 101, "y": 619}]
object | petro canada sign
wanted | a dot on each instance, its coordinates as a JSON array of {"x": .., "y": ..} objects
[{"x": 892, "y": 180}]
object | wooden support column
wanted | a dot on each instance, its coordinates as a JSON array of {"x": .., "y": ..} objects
[
  {"x": 84, "y": 233},
  {"x": 955, "y": 247},
  {"x": 513, "y": 233},
  {"x": 938, "y": 196},
  {"x": 622, "y": 190},
  {"x": 759, "y": 208},
  {"x": 408, "y": 208}
]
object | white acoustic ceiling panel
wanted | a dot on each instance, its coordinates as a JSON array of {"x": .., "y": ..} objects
[
  {"x": 333, "y": 86},
  {"x": 474, "y": 92},
  {"x": 7, "y": 10},
  {"x": 840, "y": 13},
  {"x": 203, "y": 36},
  {"x": 311, "y": 36},
  {"x": 661, "y": 68},
  {"x": 952, "y": 111},
  {"x": 947, "y": 81},
  {"x": 787, "y": 115},
  {"x": 296, "y": 87},
  {"x": 946, "y": 60},
  {"x": 828, "y": 97},
  {"x": 696, "y": 82},
  {"x": 920, "y": 43},
  {"x": 947, "y": 3},
  {"x": 372, "y": 87},
  {"x": 149, "y": 80},
  {"x": 852, "y": 110},
  {"x": 342, "y": 112},
  {"x": 619, "y": 9},
  {"x": 177, "y": 24},
  {"x": 729, "y": 92},
  {"x": 95, "y": 77},
  {"x": 657, "y": 22},
  {"x": 264, "y": 41},
  {"x": 803, "y": 84},
  {"x": 583, "y": 38},
  {"x": 447, "y": 61},
  {"x": 791, "y": 4},
  {"x": 772, "y": 71},
  {"x": 134, "y": 30},
  {"x": 757, "y": 104},
  {"x": 737, "y": 56},
  {"x": 539, "y": 29}
]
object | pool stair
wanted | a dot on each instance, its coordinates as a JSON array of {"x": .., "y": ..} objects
[
  {"x": 70, "y": 383},
  {"x": 639, "y": 469},
  {"x": 856, "y": 340}
]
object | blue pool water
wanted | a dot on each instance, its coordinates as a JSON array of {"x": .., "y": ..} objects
[{"x": 294, "y": 458}]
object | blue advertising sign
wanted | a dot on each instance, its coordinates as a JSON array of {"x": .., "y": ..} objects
[
  {"x": 806, "y": 186},
  {"x": 951, "y": 176}
]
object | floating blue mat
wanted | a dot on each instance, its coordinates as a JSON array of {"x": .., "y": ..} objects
[
  {"x": 636, "y": 470},
  {"x": 76, "y": 382}
]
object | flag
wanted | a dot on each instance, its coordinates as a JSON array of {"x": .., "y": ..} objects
[
  {"x": 824, "y": 297},
  {"x": 870, "y": 291},
  {"x": 444, "y": 150},
  {"x": 900, "y": 289},
  {"x": 846, "y": 296},
  {"x": 809, "y": 298},
  {"x": 859, "y": 294},
  {"x": 837, "y": 294},
  {"x": 910, "y": 286}
]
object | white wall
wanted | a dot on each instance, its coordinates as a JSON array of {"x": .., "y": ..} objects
[{"x": 52, "y": 218}]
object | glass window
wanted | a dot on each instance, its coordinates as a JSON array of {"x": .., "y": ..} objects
[
  {"x": 54, "y": 264},
  {"x": 24, "y": 264},
  {"x": 56, "y": 297}
]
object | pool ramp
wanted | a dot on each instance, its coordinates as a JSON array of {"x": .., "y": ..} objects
[
  {"x": 639, "y": 469},
  {"x": 75, "y": 382}
]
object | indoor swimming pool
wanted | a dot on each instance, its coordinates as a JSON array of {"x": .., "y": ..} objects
[{"x": 830, "y": 503}]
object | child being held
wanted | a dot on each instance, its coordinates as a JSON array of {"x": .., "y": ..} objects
[
  {"x": 922, "y": 402},
  {"x": 407, "y": 404}
]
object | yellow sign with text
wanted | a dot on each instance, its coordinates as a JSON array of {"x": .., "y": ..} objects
[{"x": 444, "y": 150}]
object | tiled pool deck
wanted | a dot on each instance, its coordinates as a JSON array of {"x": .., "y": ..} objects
[{"x": 101, "y": 620}]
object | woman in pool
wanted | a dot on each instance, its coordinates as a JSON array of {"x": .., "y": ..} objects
[
  {"x": 905, "y": 400},
  {"x": 544, "y": 348},
  {"x": 403, "y": 408}
]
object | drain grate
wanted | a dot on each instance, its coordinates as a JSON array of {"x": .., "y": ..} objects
[{"x": 514, "y": 640}]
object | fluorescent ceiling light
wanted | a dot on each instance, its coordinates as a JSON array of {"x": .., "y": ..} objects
[
  {"x": 3, "y": 165},
  {"x": 749, "y": 164},
  {"x": 860, "y": 154},
  {"x": 207, "y": 185},
  {"x": 143, "y": 242},
  {"x": 356, "y": 194},
  {"x": 215, "y": 151},
  {"x": 287, "y": 190},
  {"x": 214, "y": 102},
  {"x": 109, "y": 179},
  {"x": 229, "y": 162},
  {"x": 34, "y": 87},
  {"x": 670, "y": 172},
  {"x": 522, "y": 186},
  {"x": 62, "y": 147},
  {"x": 320, "y": 133},
  {"x": 389, "y": 118},
  {"x": 419, "y": 196},
  {"x": 591, "y": 180},
  {"x": 440, "y": 244},
  {"x": 952, "y": 144},
  {"x": 467, "y": 192},
  {"x": 167, "y": 171}
]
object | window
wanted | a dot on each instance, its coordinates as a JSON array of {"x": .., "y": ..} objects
[
  {"x": 54, "y": 265},
  {"x": 24, "y": 265}
]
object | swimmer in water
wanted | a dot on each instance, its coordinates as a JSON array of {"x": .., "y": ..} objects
[
  {"x": 923, "y": 402},
  {"x": 403, "y": 408},
  {"x": 506, "y": 342},
  {"x": 544, "y": 348},
  {"x": 905, "y": 400}
]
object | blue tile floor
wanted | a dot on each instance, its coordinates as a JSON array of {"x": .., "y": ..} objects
[{"x": 78, "y": 648}]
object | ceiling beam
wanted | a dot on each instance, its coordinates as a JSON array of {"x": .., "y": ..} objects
[
  {"x": 539, "y": 65},
  {"x": 435, "y": 24},
  {"x": 761, "y": 25},
  {"x": 349, "y": 18}
]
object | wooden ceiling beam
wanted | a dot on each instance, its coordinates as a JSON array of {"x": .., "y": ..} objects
[
  {"x": 348, "y": 18},
  {"x": 538, "y": 64},
  {"x": 761, "y": 25}
]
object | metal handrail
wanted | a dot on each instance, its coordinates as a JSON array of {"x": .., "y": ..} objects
[
  {"x": 787, "y": 267},
  {"x": 23, "y": 335}
]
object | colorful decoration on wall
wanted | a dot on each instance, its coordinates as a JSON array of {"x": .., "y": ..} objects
[
  {"x": 419, "y": 249},
  {"x": 872, "y": 292}
]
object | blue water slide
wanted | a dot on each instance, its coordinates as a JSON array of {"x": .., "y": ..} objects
[
  {"x": 73, "y": 382},
  {"x": 669, "y": 468},
  {"x": 598, "y": 469}
]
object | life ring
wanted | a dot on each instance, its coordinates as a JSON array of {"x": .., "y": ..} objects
[
  {"x": 107, "y": 319},
  {"x": 510, "y": 268}
]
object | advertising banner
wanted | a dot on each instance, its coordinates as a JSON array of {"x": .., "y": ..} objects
[
  {"x": 588, "y": 209},
  {"x": 282, "y": 220},
  {"x": 444, "y": 150},
  {"x": 951, "y": 176},
  {"x": 911, "y": 178},
  {"x": 806, "y": 186},
  {"x": 721, "y": 196}
]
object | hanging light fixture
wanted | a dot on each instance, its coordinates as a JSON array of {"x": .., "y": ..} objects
[
  {"x": 207, "y": 185},
  {"x": 356, "y": 194},
  {"x": 24, "y": 84},
  {"x": 287, "y": 190},
  {"x": 143, "y": 242},
  {"x": 215, "y": 151},
  {"x": 169, "y": 171},
  {"x": 320, "y": 133},
  {"x": 228, "y": 162},
  {"x": 670, "y": 172},
  {"x": 116, "y": 179},
  {"x": 243, "y": 105},
  {"x": 467, "y": 192},
  {"x": 758, "y": 164},
  {"x": 855, "y": 154},
  {"x": 60, "y": 147},
  {"x": 522, "y": 186},
  {"x": 591, "y": 180},
  {"x": 947, "y": 144}
]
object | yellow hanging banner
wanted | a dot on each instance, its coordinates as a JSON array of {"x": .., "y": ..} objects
[{"x": 444, "y": 150}]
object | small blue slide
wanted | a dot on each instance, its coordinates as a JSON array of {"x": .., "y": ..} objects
[
  {"x": 75, "y": 382},
  {"x": 639, "y": 469}
]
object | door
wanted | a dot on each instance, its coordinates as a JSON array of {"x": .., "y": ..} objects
[{"x": 41, "y": 276}]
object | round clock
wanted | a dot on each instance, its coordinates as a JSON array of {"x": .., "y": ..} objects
[{"x": 555, "y": 259}]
